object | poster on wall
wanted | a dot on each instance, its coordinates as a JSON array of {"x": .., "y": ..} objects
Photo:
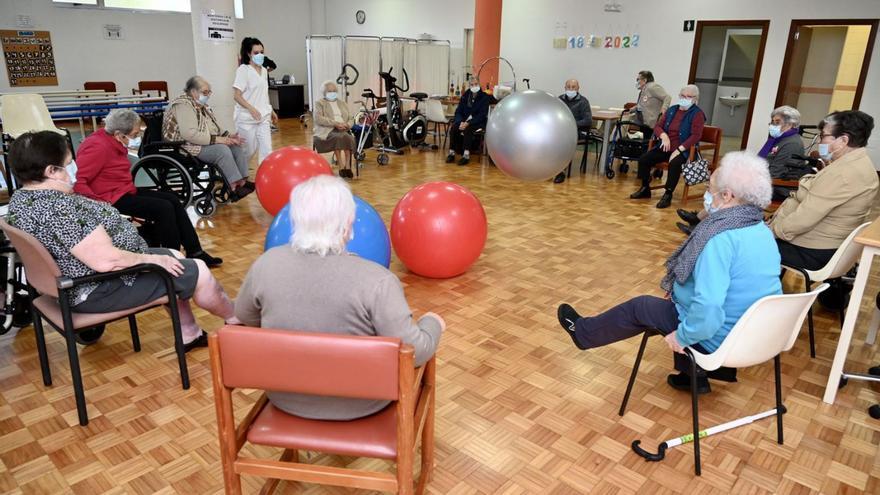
[
  {"x": 217, "y": 27},
  {"x": 30, "y": 60}
]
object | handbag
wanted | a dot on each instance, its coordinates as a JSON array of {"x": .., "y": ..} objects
[{"x": 696, "y": 171}]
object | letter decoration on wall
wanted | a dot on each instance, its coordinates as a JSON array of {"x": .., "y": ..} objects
[{"x": 597, "y": 41}]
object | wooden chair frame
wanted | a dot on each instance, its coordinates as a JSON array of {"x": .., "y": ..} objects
[{"x": 415, "y": 401}]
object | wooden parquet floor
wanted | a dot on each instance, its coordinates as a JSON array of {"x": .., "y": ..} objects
[{"x": 519, "y": 409}]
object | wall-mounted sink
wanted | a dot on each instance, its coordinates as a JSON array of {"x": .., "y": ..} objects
[{"x": 733, "y": 102}]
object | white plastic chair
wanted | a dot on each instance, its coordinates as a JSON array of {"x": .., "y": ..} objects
[
  {"x": 768, "y": 328},
  {"x": 435, "y": 115},
  {"x": 844, "y": 259},
  {"x": 23, "y": 113}
]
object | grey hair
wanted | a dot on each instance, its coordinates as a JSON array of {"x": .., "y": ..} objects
[
  {"x": 121, "y": 120},
  {"x": 194, "y": 83},
  {"x": 790, "y": 115},
  {"x": 693, "y": 89},
  {"x": 321, "y": 214},
  {"x": 324, "y": 87},
  {"x": 746, "y": 176}
]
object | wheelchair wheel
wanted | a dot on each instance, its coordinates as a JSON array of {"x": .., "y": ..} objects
[
  {"x": 360, "y": 156},
  {"x": 382, "y": 159},
  {"x": 609, "y": 172},
  {"x": 162, "y": 173},
  {"x": 90, "y": 335},
  {"x": 205, "y": 207},
  {"x": 221, "y": 195}
]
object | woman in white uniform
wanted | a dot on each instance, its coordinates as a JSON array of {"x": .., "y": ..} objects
[{"x": 253, "y": 111}]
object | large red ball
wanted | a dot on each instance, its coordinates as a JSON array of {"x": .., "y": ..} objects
[
  {"x": 438, "y": 229},
  {"x": 283, "y": 170}
]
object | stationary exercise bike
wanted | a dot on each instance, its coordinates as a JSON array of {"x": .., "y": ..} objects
[{"x": 399, "y": 128}]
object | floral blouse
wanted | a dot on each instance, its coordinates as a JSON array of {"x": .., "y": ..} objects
[{"x": 59, "y": 221}]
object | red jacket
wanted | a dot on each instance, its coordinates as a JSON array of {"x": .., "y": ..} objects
[{"x": 103, "y": 170}]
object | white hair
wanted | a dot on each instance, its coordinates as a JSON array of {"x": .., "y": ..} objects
[
  {"x": 321, "y": 214},
  {"x": 693, "y": 89},
  {"x": 746, "y": 176},
  {"x": 790, "y": 115},
  {"x": 121, "y": 120},
  {"x": 324, "y": 87}
]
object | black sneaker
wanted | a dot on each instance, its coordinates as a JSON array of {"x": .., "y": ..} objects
[
  {"x": 567, "y": 317},
  {"x": 200, "y": 341},
  {"x": 682, "y": 381},
  {"x": 464, "y": 160},
  {"x": 666, "y": 200},
  {"x": 450, "y": 158},
  {"x": 346, "y": 173},
  {"x": 643, "y": 193},
  {"x": 688, "y": 216},
  {"x": 209, "y": 260},
  {"x": 560, "y": 178},
  {"x": 685, "y": 228}
]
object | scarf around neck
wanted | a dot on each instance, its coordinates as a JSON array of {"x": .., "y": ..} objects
[
  {"x": 682, "y": 261},
  {"x": 771, "y": 142}
]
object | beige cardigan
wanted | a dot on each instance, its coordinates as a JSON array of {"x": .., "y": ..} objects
[
  {"x": 827, "y": 206},
  {"x": 323, "y": 117}
]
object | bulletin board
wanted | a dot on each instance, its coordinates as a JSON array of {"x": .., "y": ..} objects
[{"x": 30, "y": 60}]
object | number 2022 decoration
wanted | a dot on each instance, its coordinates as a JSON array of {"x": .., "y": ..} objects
[{"x": 625, "y": 41}]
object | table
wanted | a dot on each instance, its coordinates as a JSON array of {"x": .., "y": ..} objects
[
  {"x": 870, "y": 239},
  {"x": 608, "y": 118},
  {"x": 287, "y": 99}
]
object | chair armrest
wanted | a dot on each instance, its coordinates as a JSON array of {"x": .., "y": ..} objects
[
  {"x": 785, "y": 183},
  {"x": 66, "y": 283}
]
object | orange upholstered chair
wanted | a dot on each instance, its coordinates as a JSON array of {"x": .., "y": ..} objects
[
  {"x": 328, "y": 365},
  {"x": 106, "y": 86},
  {"x": 159, "y": 87}
]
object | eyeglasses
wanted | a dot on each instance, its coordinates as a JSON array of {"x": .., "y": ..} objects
[
  {"x": 823, "y": 136},
  {"x": 207, "y": 92}
]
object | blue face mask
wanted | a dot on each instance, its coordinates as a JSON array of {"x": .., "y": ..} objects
[
  {"x": 825, "y": 152},
  {"x": 203, "y": 99},
  {"x": 775, "y": 131},
  {"x": 71, "y": 171},
  {"x": 134, "y": 143},
  {"x": 258, "y": 58},
  {"x": 571, "y": 94},
  {"x": 331, "y": 96},
  {"x": 685, "y": 103},
  {"x": 707, "y": 203}
]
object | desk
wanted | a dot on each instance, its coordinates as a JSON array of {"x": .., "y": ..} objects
[
  {"x": 608, "y": 118},
  {"x": 870, "y": 239},
  {"x": 287, "y": 99}
]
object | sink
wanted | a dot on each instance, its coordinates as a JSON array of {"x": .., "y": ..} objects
[{"x": 733, "y": 102}]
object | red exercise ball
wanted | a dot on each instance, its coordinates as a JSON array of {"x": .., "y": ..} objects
[
  {"x": 283, "y": 170},
  {"x": 438, "y": 229}
]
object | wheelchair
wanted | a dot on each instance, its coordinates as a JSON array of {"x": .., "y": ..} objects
[{"x": 167, "y": 166}]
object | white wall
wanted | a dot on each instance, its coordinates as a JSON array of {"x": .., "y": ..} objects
[
  {"x": 608, "y": 76},
  {"x": 157, "y": 46},
  {"x": 282, "y": 26}
]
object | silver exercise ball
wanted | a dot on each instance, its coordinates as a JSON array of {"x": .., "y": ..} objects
[{"x": 531, "y": 135}]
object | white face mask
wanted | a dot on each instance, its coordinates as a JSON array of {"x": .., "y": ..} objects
[
  {"x": 475, "y": 89},
  {"x": 331, "y": 96},
  {"x": 707, "y": 203},
  {"x": 71, "y": 171}
]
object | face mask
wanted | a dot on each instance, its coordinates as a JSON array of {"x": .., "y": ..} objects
[
  {"x": 258, "y": 58},
  {"x": 571, "y": 94},
  {"x": 638, "y": 85},
  {"x": 203, "y": 99},
  {"x": 707, "y": 203},
  {"x": 685, "y": 103},
  {"x": 134, "y": 143},
  {"x": 331, "y": 96},
  {"x": 825, "y": 151},
  {"x": 71, "y": 171},
  {"x": 474, "y": 89},
  {"x": 775, "y": 131}
]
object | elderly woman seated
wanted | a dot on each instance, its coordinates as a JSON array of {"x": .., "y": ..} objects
[
  {"x": 314, "y": 285},
  {"x": 189, "y": 118},
  {"x": 729, "y": 262},
  {"x": 332, "y": 125},
  {"x": 85, "y": 236},
  {"x": 104, "y": 174},
  {"x": 783, "y": 143},
  {"x": 813, "y": 222}
]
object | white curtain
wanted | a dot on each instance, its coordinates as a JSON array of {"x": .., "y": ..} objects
[
  {"x": 432, "y": 68},
  {"x": 363, "y": 54},
  {"x": 325, "y": 62},
  {"x": 392, "y": 58}
]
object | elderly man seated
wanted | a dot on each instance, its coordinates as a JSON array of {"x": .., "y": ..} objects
[
  {"x": 189, "y": 118},
  {"x": 332, "y": 128},
  {"x": 580, "y": 108},
  {"x": 471, "y": 115},
  {"x": 334, "y": 291},
  {"x": 104, "y": 174},
  {"x": 783, "y": 143},
  {"x": 729, "y": 262}
]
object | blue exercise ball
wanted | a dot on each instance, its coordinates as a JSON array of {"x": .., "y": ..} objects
[{"x": 370, "y": 241}]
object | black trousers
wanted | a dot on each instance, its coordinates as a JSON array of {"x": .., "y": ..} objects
[
  {"x": 632, "y": 318},
  {"x": 801, "y": 257},
  {"x": 171, "y": 226},
  {"x": 652, "y": 157},
  {"x": 461, "y": 140}
]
